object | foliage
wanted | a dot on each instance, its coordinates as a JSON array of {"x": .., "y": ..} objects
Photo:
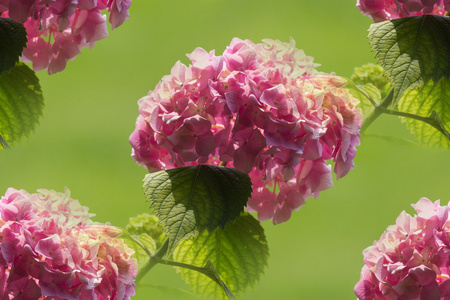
[
  {"x": 239, "y": 253},
  {"x": 189, "y": 200},
  {"x": 13, "y": 38},
  {"x": 368, "y": 95},
  {"x": 433, "y": 101},
  {"x": 21, "y": 104},
  {"x": 143, "y": 245},
  {"x": 372, "y": 74},
  {"x": 412, "y": 50},
  {"x": 147, "y": 224}
]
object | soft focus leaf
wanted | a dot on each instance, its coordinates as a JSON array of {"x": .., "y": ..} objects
[
  {"x": 148, "y": 242},
  {"x": 412, "y": 50},
  {"x": 368, "y": 96},
  {"x": 13, "y": 38},
  {"x": 21, "y": 103},
  {"x": 432, "y": 100},
  {"x": 372, "y": 74},
  {"x": 190, "y": 199},
  {"x": 147, "y": 223},
  {"x": 139, "y": 244},
  {"x": 239, "y": 254}
]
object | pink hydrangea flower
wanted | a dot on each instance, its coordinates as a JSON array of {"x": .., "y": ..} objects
[
  {"x": 411, "y": 259},
  {"x": 382, "y": 10},
  {"x": 51, "y": 249},
  {"x": 261, "y": 108},
  {"x": 58, "y": 29}
]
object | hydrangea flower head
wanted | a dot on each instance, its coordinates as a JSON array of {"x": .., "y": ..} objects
[
  {"x": 51, "y": 249},
  {"x": 260, "y": 108},
  {"x": 382, "y": 10},
  {"x": 410, "y": 260},
  {"x": 58, "y": 29}
]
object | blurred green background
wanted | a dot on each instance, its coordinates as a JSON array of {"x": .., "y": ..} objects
[{"x": 91, "y": 107}]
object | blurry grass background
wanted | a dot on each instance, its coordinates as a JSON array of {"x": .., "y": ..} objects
[{"x": 90, "y": 110}]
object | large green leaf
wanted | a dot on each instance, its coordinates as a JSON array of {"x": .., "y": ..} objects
[
  {"x": 412, "y": 50},
  {"x": 433, "y": 101},
  {"x": 21, "y": 103},
  {"x": 190, "y": 199},
  {"x": 13, "y": 38},
  {"x": 239, "y": 254}
]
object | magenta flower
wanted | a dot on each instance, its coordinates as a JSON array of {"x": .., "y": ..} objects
[
  {"x": 410, "y": 260},
  {"x": 382, "y": 10},
  {"x": 50, "y": 249},
  {"x": 58, "y": 29},
  {"x": 261, "y": 108}
]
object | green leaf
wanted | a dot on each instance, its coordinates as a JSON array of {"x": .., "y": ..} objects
[
  {"x": 21, "y": 104},
  {"x": 368, "y": 95},
  {"x": 412, "y": 50},
  {"x": 239, "y": 254},
  {"x": 374, "y": 75},
  {"x": 143, "y": 246},
  {"x": 147, "y": 223},
  {"x": 148, "y": 242},
  {"x": 13, "y": 38},
  {"x": 189, "y": 200},
  {"x": 432, "y": 101}
]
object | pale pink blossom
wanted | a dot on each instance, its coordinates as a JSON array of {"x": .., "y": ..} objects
[
  {"x": 410, "y": 260},
  {"x": 51, "y": 249},
  {"x": 58, "y": 29},
  {"x": 261, "y": 108},
  {"x": 382, "y": 10}
]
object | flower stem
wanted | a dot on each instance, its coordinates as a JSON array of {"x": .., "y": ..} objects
[
  {"x": 4, "y": 143},
  {"x": 208, "y": 270},
  {"x": 382, "y": 108},
  {"x": 432, "y": 120},
  {"x": 379, "y": 109},
  {"x": 153, "y": 259}
]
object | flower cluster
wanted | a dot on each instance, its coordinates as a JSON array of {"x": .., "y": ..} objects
[
  {"x": 382, "y": 10},
  {"x": 261, "y": 108},
  {"x": 58, "y": 29},
  {"x": 411, "y": 259},
  {"x": 50, "y": 249}
]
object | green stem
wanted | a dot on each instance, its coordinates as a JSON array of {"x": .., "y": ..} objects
[
  {"x": 382, "y": 108},
  {"x": 429, "y": 120},
  {"x": 379, "y": 109},
  {"x": 4, "y": 143},
  {"x": 153, "y": 260},
  {"x": 208, "y": 271}
]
